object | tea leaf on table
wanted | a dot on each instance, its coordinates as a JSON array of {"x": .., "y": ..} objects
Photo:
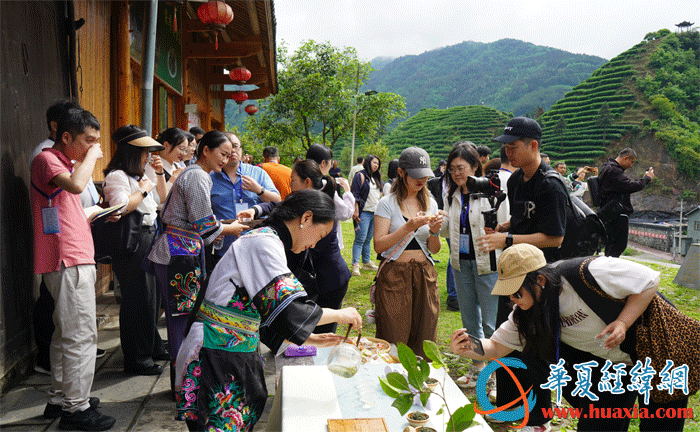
[
  {"x": 462, "y": 418},
  {"x": 403, "y": 403},
  {"x": 388, "y": 389},
  {"x": 424, "y": 395},
  {"x": 433, "y": 353},
  {"x": 425, "y": 369},
  {"x": 406, "y": 356},
  {"x": 397, "y": 381}
]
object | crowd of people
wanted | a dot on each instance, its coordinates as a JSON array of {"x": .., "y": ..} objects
[{"x": 235, "y": 254}]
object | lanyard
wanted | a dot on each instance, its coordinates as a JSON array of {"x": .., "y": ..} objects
[
  {"x": 48, "y": 197},
  {"x": 237, "y": 186},
  {"x": 464, "y": 216}
]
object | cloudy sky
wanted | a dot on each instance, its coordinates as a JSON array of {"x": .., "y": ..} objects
[{"x": 399, "y": 27}]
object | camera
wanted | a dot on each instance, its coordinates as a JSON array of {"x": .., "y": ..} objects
[{"x": 488, "y": 185}]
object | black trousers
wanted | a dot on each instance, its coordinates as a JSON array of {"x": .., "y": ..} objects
[
  {"x": 618, "y": 231},
  {"x": 333, "y": 300},
  {"x": 609, "y": 400},
  {"x": 42, "y": 315},
  {"x": 536, "y": 373},
  {"x": 138, "y": 314}
]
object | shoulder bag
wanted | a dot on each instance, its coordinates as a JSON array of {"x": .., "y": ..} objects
[{"x": 116, "y": 240}]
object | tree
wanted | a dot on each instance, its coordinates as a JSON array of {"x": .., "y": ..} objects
[
  {"x": 316, "y": 101},
  {"x": 559, "y": 129},
  {"x": 604, "y": 119}
]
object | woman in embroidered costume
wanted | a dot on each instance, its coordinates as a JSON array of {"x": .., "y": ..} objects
[
  {"x": 578, "y": 315},
  {"x": 252, "y": 296},
  {"x": 189, "y": 225}
]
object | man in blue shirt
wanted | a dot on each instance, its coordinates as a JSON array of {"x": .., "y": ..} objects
[{"x": 237, "y": 187}]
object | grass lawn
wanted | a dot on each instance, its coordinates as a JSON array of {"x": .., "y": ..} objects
[{"x": 687, "y": 300}]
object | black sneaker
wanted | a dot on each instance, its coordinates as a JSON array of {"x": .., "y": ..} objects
[
  {"x": 452, "y": 304},
  {"x": 55, "y": 411},
  {"x": 100, "y": 353},
  {"x": 88, "y": 420}
]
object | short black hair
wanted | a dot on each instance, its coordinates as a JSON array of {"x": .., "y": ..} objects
[
  {"x": 483, "y": 150},
  {"x": 58, "y": 108},
  {"x": 544, "y": 155},
  {"x": 558, "y": 163},
  {"x": 196, "y": 130},
  {"x": 627, "y": 152},
  {"x": 270, "y": 152},
  {"x": 442, "y": 162},
  {"x": 189, "y": 136},
  {"x": 75, "y": 121},
  {"x": 359, "y": 159}
]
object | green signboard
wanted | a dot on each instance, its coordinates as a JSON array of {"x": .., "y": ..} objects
[{"x": 169, "y": 46}]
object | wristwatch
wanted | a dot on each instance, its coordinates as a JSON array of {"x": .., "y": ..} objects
[
  {"x": 509, "y": 240},
  {"x": 262, "y": 191},
  {"x": 437, "y": 234},
  {"x": 143, "y": 193}
]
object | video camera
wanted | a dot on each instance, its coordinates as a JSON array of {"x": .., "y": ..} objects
[{"x": 488, "y": 186}]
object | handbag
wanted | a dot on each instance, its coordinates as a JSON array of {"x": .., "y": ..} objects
[
  {"x": 663, "y": 332},
  {"x": 116, "y": 240}
]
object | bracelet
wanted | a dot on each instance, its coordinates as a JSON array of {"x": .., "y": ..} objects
[{"x": 160, "y": 173}]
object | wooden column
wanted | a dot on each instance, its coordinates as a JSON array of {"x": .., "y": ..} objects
[{"x": 123, "y": 107}]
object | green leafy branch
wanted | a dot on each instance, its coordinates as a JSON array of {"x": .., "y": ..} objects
[{"x": 404, "y": 390}]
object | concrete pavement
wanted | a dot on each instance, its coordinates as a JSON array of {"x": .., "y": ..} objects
[{"x": 139, "y": 403}]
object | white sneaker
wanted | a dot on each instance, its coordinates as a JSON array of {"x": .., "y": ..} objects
[
  {"x": 356, "y": 269},
  {"x": 369, "y": 266},
  {"x": 469, "y": 379}
]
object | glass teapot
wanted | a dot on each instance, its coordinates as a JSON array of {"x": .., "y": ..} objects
[{"x": 345, "y": 358}]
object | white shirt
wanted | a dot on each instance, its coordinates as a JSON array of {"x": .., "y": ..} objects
[
  {"x": 151, "y": 174},
  {"x": 117, "y": 188},
  {"x": 372, "y": 197},
  {"x": 619, "y": 278}
]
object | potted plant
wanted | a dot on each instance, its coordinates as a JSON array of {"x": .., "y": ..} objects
[{"x": 404, "y": 388}]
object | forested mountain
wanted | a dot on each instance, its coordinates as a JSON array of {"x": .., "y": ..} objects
[
  {"x": 509, "y": 75},
  {"x": 437, "y": 130},
  {"x": 647, "y": 98}
]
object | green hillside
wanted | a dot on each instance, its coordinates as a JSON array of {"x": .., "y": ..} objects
[
  {"x": 508, "y": 74},
  {"x": 436, "y": 130},
  {"x": 652, "y": 91}
]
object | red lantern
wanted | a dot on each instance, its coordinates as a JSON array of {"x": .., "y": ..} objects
[
  {"x": 217, "y": 15},
  {"x": 251, "y": 109},
  {"x": 240, "y": 75},
  {"x": 240, "y": 97}
]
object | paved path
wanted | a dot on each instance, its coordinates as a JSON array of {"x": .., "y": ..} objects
[{"x": 139, "y": 403}]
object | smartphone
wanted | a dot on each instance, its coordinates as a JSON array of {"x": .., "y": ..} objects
[{"x": 477, "y": 347}]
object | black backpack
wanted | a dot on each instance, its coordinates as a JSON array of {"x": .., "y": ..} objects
[
  {"x": 594, "y": 188},
  {"x": 585, "y": 233}
]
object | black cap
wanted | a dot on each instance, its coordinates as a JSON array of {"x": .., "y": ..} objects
[{"x": 520, "y": 127}]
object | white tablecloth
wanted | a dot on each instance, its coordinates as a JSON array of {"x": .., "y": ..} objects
[{"x": 310, "y": 395}]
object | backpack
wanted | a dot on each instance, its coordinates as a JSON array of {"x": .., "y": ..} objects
[
  {"x": 585, "y": 233},
  {"x": 594, "y": 188}
]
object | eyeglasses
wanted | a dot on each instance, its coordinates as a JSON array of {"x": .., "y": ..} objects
[{"x": 457, "y": 170}]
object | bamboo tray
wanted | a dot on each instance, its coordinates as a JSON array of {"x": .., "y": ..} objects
[{"x": 357, "y": 425}]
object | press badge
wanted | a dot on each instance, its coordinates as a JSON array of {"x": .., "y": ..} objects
[
  {"x": 241, "y": 205},
  {"x": 464, "y": 244},
  {"x": 49, "y": 217}
]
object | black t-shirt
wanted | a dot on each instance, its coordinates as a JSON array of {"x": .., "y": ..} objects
[{"x": 538, "y": 205}]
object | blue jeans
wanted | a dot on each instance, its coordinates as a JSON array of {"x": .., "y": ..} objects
[
  {"x": 363, "y": 238},
  {"x": 449, "y": 278},
  {"x": 476, "y": 304}
]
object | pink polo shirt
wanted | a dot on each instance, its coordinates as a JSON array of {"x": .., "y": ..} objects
[{"x": 73, "y": 245}]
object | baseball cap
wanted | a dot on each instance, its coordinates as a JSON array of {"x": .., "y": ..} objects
[
  {"x": 416, "y": 162},
  {"x": 520, "y": 127},
  {"x": 142, "y": 139},
  {"x": 514, "y": 264}
]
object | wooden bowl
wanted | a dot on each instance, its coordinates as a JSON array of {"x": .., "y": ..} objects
[{"x": 417, "y": 422}]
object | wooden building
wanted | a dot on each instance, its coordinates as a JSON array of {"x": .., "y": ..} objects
[{"x": 92, "y": 51}]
